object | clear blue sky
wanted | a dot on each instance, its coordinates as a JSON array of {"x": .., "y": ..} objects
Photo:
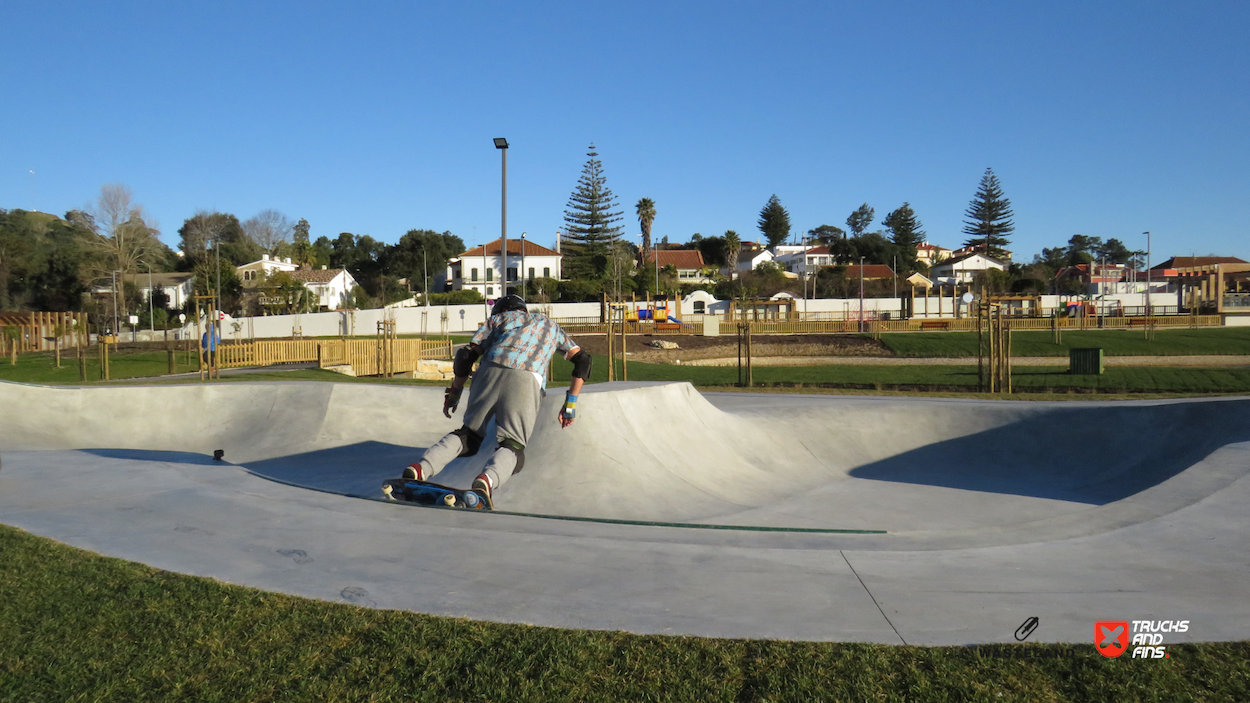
[{"x": 1100, "y": 118}]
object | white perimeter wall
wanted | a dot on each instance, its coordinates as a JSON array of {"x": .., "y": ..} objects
[{"x": 465, "y": 319}]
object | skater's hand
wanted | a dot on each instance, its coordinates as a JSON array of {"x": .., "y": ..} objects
[
  {"x": 568, "y": 410},
  {"x": 451, "y": 399}
]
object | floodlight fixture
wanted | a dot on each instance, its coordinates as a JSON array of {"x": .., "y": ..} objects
[{"x": 501, "y": 143}]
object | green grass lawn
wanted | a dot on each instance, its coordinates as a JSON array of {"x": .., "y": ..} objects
[
  {"x": 75, "y": 626},
  {"x": 1180, "y": 342},
  {"x": 40, "y": 367},
  {"x": 1146, "y": 379}
]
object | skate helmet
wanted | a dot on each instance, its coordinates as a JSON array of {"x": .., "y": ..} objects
[{"x": 508, "y": 303}]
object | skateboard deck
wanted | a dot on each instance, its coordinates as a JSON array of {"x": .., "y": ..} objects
[{"x": 435, "y": 495}]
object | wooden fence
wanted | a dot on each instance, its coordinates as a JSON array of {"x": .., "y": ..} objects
[{"x": 364, "y": 355}]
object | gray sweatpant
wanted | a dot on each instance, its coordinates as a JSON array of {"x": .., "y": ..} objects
[{"x": 512, "y": 397}]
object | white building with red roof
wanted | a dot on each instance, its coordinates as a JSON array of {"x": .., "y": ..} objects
[
  {"x": 688, "y": 262},
  {"x": 482, "y": 268},
  {"x": 331, "y": 288}
]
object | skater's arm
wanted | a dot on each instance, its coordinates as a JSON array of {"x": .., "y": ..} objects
[{"x": 581, "y": 372}]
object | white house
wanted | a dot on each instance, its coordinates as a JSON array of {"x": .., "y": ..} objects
[
  {"x": 251, "y": 274},
  {"x": 688, "y": 262},
  {"x": 481, "y": 267},
  {"x": 331, "y": 288},
  {"x": 749, "y": 258},
  {"x": 928, "y": 254},
  {"x": 804, "y": 259},
  {"x": 177, "y": 287},
  {"x": 961, "y": 269}
]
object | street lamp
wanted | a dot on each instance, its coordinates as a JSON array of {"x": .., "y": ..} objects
[
  {"x": 502, "y": 145},
  {"x": 523, "y": 269},
  {"x": 861, "y": 294}
]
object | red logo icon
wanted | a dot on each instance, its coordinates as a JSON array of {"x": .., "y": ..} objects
[{"x": 1111, "y": 637}]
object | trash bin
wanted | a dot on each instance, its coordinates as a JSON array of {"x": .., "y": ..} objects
[{"x": 1085, "y": 361}]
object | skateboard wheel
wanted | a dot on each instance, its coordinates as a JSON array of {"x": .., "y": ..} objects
[
  {"x": 471, "y": 500},
  {"x": 386, "y": 490},
  {"x": 449, "y": 500}
]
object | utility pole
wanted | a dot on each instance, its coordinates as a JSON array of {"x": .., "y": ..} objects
[
  {"x": 502, "y": 145},
  {"x": 861, "y": 294}
]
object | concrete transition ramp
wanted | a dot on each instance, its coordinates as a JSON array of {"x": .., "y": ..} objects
[{"x": 902, "y": 476}]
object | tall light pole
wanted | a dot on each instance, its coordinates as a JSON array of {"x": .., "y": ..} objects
[
  {"x": 861, "y": 294},
  {"x": 485, "y": 307},
  {"x": 502, "y": 145},
  {"x": 1147, "y": 279},
  {"x": 115, "y": 302},
  {"x": 523, "y": 270}
]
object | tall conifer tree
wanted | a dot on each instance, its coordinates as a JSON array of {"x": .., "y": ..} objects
[
  {"x": 590, "y": 229},
  {"x": 774, "y": 222},
  {"x": 989, "y": 217}
]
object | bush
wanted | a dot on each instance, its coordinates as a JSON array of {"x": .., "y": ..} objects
[{"x": 456, "y": 297}]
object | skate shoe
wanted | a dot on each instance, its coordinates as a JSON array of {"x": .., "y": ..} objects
[
  {"x": 481, "y": 485},
  {"x": 414, "y": 472}
]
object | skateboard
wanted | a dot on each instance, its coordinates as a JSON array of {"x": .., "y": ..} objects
[{"x": 434, "y": 495}]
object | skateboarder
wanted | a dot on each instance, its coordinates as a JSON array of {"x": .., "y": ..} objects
[{"x": 515, "y": 346}]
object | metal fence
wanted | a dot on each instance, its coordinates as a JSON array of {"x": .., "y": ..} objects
[{"x": 934, "y": 324}]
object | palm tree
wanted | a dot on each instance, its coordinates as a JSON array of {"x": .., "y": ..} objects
[
  {"x": 646, "y": 215},
  {"x": 732, "y": 245}
]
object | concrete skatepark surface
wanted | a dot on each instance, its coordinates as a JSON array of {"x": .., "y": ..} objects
[{"x": 975, "y": 514}]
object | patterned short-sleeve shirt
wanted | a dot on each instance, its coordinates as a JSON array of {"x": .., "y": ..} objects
[{"x": 522, "y": 340}]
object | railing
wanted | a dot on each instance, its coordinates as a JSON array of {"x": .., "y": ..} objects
[
  {"x": 915, "y": 324},
  {"x": 363, "y": 354},
  {"x": 1237, "y": 300}
]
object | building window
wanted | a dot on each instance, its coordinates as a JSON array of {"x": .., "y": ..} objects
[
  {"x": 546, "y": 272},
  {"x": 512, "y": 274},
  {"x": 473, "y": 275},
  {"x": 531, "y": 273},
  {"x": 490, "y": 275},
  {"x": 490, "y": 290},
  {"x": 699, "y": 307}
]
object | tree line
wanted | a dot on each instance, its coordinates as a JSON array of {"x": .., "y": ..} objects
[{"x": 51, "y": 263}]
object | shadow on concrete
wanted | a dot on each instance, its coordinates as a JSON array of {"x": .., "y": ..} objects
[
  {"x": 153, "y": 455},
  {"x": 1093, "y": 455},
  {"x": 354, "y": 469}
]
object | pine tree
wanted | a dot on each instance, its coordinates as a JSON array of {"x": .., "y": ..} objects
[
  {"x": 989, "y": 216},
  {"x": 859, "y": 220},
  {"x": 905, "y": 229},
  {"x": 590, "y": 231},
  {"x": 774, "y": 222}
]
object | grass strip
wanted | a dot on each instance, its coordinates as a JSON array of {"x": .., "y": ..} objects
[
  {"x": 1029, "y": 379},
  {"x": 75, "y": 626},
  {"x": 1173, "y": 342}
]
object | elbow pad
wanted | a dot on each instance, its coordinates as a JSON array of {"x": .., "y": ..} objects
[
  {"x": 462, "y": 365},
  {"x": 581, "y": 365}
]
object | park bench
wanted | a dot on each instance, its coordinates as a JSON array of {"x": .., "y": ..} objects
[
  {"x": 670, "y": 326},
  {"x": 935, "y": 324}
]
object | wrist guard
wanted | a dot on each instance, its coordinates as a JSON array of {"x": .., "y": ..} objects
[
  {"x": 570, "y": 406},
  {"x": 451, "y": 397}
]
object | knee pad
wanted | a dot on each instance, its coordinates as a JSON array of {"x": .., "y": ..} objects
[
  {"x": 518, "y": 449},
  {"x": 471, "y": 440}
]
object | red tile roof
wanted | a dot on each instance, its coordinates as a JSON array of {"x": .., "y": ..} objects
[
  {"x": 688, "y": 259},
  {"x": 870, "y": 271},
  {"x": 315, "y": 275},
  {"x": 1177, "y": 262},
  {"x": 514, "y": 248}
]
